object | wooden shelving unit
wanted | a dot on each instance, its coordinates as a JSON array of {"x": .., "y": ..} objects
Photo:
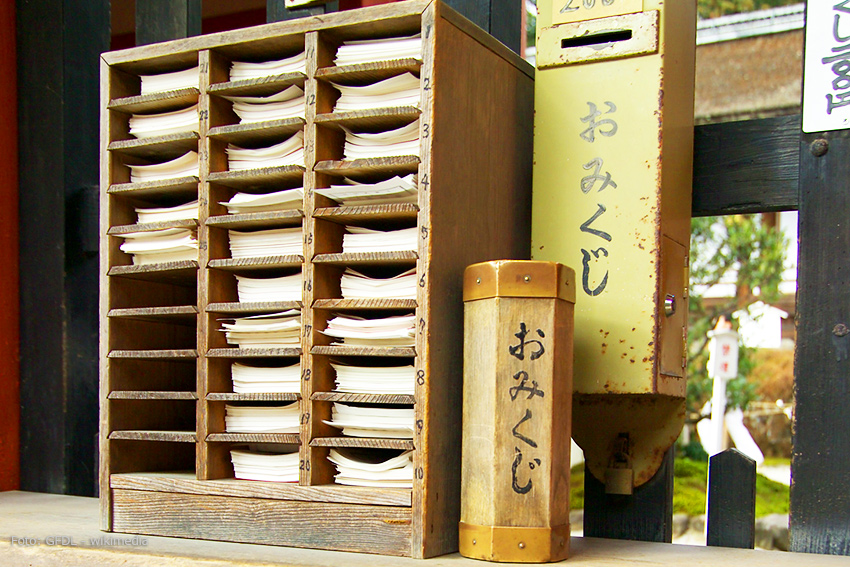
[{"x": 165, "y": 365}]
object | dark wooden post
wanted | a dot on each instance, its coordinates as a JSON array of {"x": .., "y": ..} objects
[
  {"x": 59, "y": 42},
  {"x": 276, "y": 10},
  {"x": 502, "y": 18},
  {"x": 646, "y": 515},
  {"x": 820, "y": 498},
  {"x": 731, "y": 518},
  {"x": 163, "y": 20}
]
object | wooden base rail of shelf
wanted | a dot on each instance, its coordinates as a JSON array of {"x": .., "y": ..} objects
[{"x": 39, "y": 516}]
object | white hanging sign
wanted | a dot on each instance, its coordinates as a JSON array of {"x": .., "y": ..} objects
[
  {"x": 826, "y": 73},
  {"x": 723, "y": 354}
]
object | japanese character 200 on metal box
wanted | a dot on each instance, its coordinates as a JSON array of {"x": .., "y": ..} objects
[{"x": 613, "y": 147}]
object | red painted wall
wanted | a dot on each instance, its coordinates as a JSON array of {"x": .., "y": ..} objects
[{"x": 9, "y": 374}]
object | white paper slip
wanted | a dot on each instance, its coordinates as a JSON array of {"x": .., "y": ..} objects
[
  {"x": 354, "y": 52},
  {"x": 387, "y": 331},
  {"x": 374, "y": 379},
  {"x": 381, "y": 422},
  {"x": 288, "y": 152},
  {"x": 262, "y": 419},
  {"x": 286, "y": 200},
  {"x": 249, "y": 379},
  {"x": 159, "y": 246},
  {"x": 355, "y": 285},
  {"x": 188, "y": 78},
  {"x": 183, "y": 166},
  {"x": 262, "y": 243},
  {"x": 394, "y": 190},
  {"x": 177, "y": 121},
  {"x": 360, "y": 240},
  {"x": 401, "y": 90},
  {"x": 402, "y": 141},
  {"x": 365, "y": 467},
  {"x": 288, "y": 103},
  {"x": 241, "y": 70},
  {"x": 161, "y": 214},
  {"x": 272, "y": 330},
  {"x": 283, "y": 288},
  {"x": 265, "y": 466}
]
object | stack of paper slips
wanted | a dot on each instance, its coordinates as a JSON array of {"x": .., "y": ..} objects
[
  {"x": 262, "y": 419},
  {"x": 273, "y": 330},
  {"x": 354, "y": 52},
  {"x": 387, "y": 331},
  {"x": 288, "y": 152},
  {"x": 265, "y": 379},
  {"x": 394, "y": 190},
  {"x": 242, "y": 70},
  {"x": 265, "y": 466},
  {"x": 374, "y": 379},
  {"x": 370, "y": 467},
  {"x": 373, "y": 421},
  {"x": 402, "y": 141},
  {"x": 184, "y": 166},
  {"x": 288, "y": 103}
]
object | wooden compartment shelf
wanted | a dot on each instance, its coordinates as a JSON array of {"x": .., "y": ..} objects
[
  {"x": 180, "y": 186},
  {"x": 364, "y": 398},
  {"x": 166, "y": 365},
  {"x": 252, "y": 307},
  {"x": 363, "y": 443},
  {"x": 170, "y": 145},
  {"x": 393, "y": 165},
  {"x": 274, "y": 219},
  {"x": 261, "y": 86},
  {"x": 257, "y": 132},
  {"x": 174, "y": 436},
  {"x": 155, "y": 102},
  {"x": 258, "y": 397},
  {"x": 148, "y": 395},
  {"x": 256, "y": 178},
  {"x": 256, "y": 264},
  {"x": 368, "y": 72},
  {"x": 377, "y": 119}
]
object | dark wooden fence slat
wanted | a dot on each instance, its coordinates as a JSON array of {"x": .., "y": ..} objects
[
  {"x": 731, "y": 520},
  {"x": 647, "y": 515},
  {"x": 163, "y": 20},
  {"x": 820, "y": 493},
  {"x": 501, "y": 18},
  {"x": 276, "y": 10},
  {"x": 750, "y": 166},
  {"x": 58, "y": 47}
]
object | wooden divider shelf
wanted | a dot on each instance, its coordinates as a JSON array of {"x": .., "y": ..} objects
[{"x": 165, "y": 362}]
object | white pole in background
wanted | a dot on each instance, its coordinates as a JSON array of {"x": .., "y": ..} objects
[{"x": 722, "y": 366}]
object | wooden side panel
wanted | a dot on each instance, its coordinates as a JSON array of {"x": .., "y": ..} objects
[
  {"x": 9, "y": 373},
  {"x": 366, "y": 529},
  {"x": 479, "y": 209}
]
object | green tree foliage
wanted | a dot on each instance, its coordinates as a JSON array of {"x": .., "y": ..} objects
[
  {"x": 717, "y": 8},
  {"x": 739, "y": 248}
]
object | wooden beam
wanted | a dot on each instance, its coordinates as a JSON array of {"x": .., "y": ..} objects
[
  {"x": 820, "y": 500},
  {"x": 646, "y": 515},
  {"x": 746, "y": 167},
  {"x": 163, "y": 20}
]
